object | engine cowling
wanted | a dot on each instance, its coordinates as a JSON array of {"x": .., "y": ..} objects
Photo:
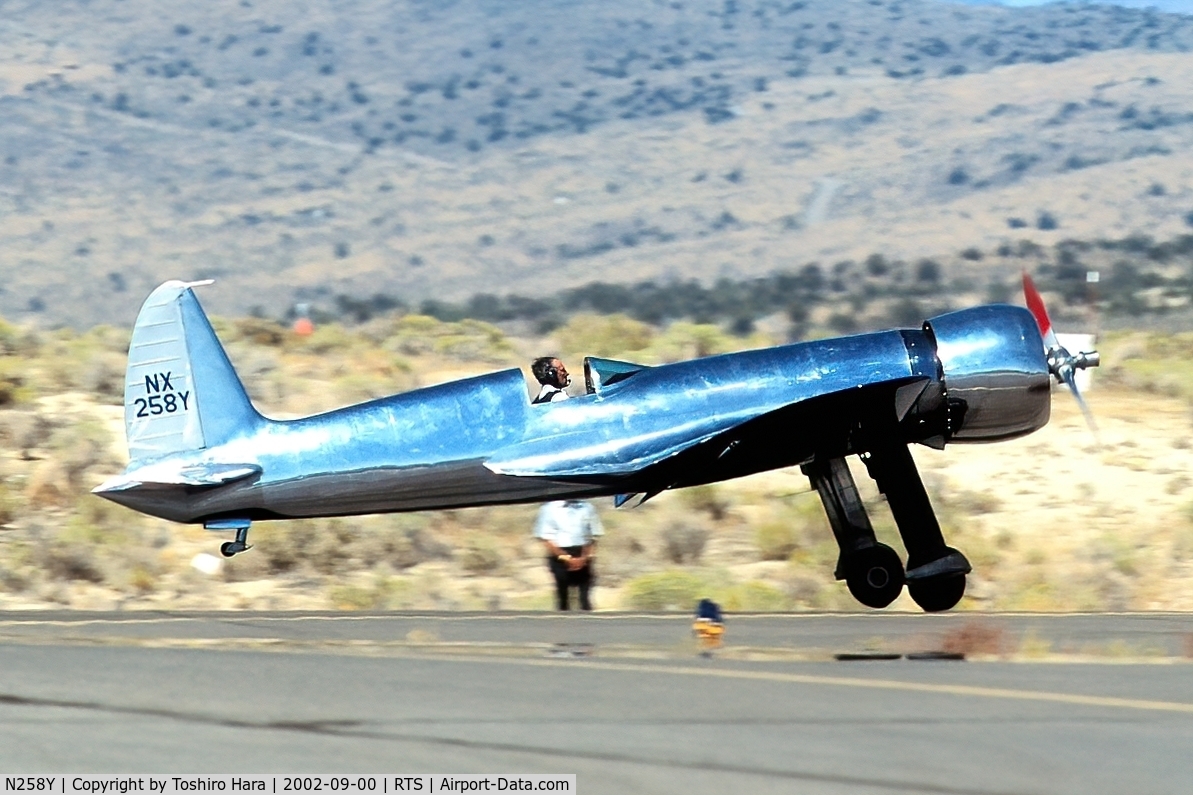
[{"x": 994, "y": 371}]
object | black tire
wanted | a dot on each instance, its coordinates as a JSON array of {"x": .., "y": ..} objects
[
  {"x": 937, "y": 594},
  {"x": 875, "y": 575},
  {"x": 226, "y": 549}
]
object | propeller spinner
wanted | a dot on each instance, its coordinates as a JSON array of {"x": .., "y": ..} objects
[{"x": 1061, "y": 363}]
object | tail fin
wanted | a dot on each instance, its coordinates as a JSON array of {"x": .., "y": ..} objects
[{"x": 180, "y": 391}]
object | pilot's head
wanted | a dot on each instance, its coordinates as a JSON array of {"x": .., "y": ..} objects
[{"x": 550, "y": 371}]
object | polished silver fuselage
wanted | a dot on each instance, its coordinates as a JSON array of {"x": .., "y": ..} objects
[{"x": 975, "y": 375}]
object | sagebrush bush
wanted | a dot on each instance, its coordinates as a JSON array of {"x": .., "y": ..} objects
[
  {"x": 82, "y": 446},
  {"x": 683, "y": 540},
  {"x": 707, "y": 498},
  {"x": 480, "y": 555},
  {"x": 665, "y": 590},
  {"x": 14, "y": 387},
  {"x": 753, "y": 596},
  {"x": 616, "y": 336},
  {"x": 383, "y": 593},
  {"x": 463, "y": 341},
  {"x": 11, "y": 504},
  {"x": 776, "y": 540},
  {"x": 683, "y": 340}
]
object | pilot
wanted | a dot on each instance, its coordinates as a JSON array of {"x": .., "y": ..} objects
[
  {"x": 550, "y": 372},
  {"x": 569, "y": 530}
]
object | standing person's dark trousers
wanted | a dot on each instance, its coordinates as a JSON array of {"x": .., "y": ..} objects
[{"x": 565, "y": 579}]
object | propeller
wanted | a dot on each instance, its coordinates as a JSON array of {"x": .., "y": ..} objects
[{"x": 1061, "y": 363}]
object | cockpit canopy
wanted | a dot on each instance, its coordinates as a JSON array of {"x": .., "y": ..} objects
[{"x": 600, "y": 374}]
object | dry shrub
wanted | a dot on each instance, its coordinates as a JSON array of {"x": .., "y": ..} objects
[
  {"x": 281, "y": 546},
  {"x": 611, "y": 335},
  {"x": 684, "y": 541},
  {"x": 400, "y": 544},
  {"x": 103, "y": 376},
  {"x": 13, "y": 387},
  {"x": 331, "y": 550},
  {"x": 48, "y": 486},
  {"x": 72, "y": 562},
  {"x": 24, "y": 431},
  {"x": 259, "y": 331},
  {"x": 975, "y": 637},
  {"x": 683, "y": 340},
  {"x": 331, "y": 546},
  {"x": 975, "y": 502},
  {"x": 475, "y": 342},
  {"x": 1182, "y": 545},
  {"x": 9, "y": 336},
  {"x": 80, "y": 447},
  {"x": 383, "y": 593},
  {"x": 420, "y": 335},
  {"x": 803, "y": 589},
  {"x": 480, "y": 556},
  {"x": 776, "y": 540},
  {"x": 754, "y": 596},
  {"x": 326, "y": 339},
  {"x": 10, "y": 504},
  {"x": 248, "y": 566},
  {"x": 707, "y": 498},
  {"x": 795, "y": 532},
  {"x": 100, "y": 543},
  {"x": 665, "y": 590}
]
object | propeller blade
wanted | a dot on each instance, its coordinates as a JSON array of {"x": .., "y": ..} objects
[
  {"x": 1070, "y": 379},
  {"x": 1061, "y": 363},
  {"x": 1035, "y": 304}
]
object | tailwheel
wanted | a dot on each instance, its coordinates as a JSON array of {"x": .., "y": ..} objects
[
  {"x": 241, "y": 544},
  {"x": 875, "y": 575},
  {"x": 230, "y": 548},
  {"x": 937, "y": 593}
]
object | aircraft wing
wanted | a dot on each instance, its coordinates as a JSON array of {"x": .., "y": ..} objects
[
  {"x": 577, "y": 455},
  {"x": 788, "y": 428}
]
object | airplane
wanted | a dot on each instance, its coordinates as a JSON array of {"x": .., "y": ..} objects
[{"x": 200, "y": 452}]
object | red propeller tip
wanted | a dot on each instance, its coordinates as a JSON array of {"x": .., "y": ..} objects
[{"x": 1035, "y": 303}]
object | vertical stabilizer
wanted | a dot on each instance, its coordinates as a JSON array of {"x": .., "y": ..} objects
[{"x": 180, "y": 391}]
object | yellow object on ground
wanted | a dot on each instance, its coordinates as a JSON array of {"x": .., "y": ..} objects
[{"x": 708, "y": 632}]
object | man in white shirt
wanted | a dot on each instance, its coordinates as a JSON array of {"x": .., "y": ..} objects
[
  {"x": 569, "y": 530},
  {"x": 550, "y": 372}
]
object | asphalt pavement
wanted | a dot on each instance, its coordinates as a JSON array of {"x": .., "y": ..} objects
[{"x": 1070, "y": 704}]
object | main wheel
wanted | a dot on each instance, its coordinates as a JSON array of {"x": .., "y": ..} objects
[
  {"x": 227, "y": 549},
  {"x": 935, "y": 594},
  {"x": 875, "y": 575}
]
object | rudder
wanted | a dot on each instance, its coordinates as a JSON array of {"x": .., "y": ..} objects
[{"x": 180, "y": 390}]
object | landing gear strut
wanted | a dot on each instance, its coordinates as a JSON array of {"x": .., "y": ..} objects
[
  {"x": 872, "y": 570},
  {"x": 935, "y": 572}
]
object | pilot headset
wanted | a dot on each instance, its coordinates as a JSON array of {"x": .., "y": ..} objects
[{"x": 553, "y": 374}]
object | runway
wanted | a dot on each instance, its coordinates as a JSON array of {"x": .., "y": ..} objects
[{"x": 1109, "y": 710}]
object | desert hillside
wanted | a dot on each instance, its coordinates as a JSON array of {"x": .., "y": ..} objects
[{"x": 304, "y": 151}]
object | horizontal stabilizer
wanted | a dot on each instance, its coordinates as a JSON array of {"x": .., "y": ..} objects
[{"x": 204, "y": 475}]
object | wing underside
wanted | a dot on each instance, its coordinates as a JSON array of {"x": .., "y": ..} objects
[{"x": 728, "y": 446}]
